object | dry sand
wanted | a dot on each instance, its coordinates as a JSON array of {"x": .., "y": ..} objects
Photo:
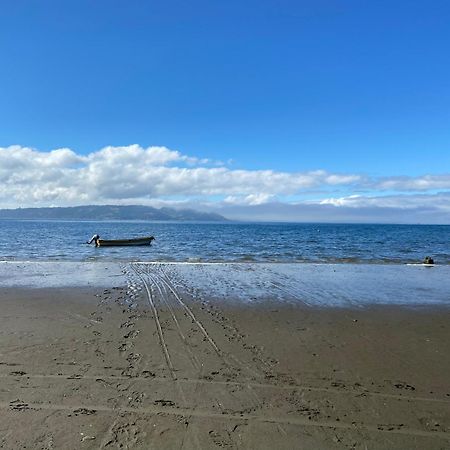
[{"x": 153, "y": 365}]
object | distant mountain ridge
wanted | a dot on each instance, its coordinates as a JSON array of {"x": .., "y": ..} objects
[{"x": 110, "y": 212}]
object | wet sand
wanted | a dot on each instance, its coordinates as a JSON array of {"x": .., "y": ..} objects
[{"x": 153, "y": 362}]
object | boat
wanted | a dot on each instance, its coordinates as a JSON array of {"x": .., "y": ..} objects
[{"x": 120, "y": 242}]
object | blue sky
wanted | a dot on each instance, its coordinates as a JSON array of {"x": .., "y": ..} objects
[{"x": 346, "y": 87}]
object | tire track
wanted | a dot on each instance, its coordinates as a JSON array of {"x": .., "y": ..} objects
[
  {"x": 257, "y": 402},
  {"x": 223, "y": 415},
  {"x": 162, "y": 275},
  {"x": 167, "y": 282},
  {"x": 158, "y": 325},
  {"x": 193, "y": 358},
  {"x": 285, "y": 387},
  {"x": 224, "y": 357}
]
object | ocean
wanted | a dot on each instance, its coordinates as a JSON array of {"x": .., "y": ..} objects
[
  {"x": 226, "y": 242},
  {"x": 335, "y": 265}
]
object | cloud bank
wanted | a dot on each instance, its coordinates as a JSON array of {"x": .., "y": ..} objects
[
  {"x": 158, "y": 175},
  {"x": 423, "y": 209}
]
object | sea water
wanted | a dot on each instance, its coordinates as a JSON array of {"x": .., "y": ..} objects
[
  {"x": 314, "y": 264},
  {"x": 225, "y": 242}
]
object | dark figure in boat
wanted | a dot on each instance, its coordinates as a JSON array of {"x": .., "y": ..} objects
[
  {"x": 120, "y": 242},
  {"x": 428, "y": 260}
]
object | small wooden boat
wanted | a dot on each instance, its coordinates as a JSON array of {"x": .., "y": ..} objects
[{"x": 120, "y": 242}]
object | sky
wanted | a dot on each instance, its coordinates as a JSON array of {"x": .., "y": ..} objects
[{"x": 323, "y": 110}]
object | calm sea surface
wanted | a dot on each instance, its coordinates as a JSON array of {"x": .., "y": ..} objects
[{"x": 240, "y": 242}]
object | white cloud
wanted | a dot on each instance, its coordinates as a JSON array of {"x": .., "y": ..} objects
[
  {"x": 136, "y": 174},
  {"x": 339, "y": 201},
  {"x": 402, "y": 202},
  {"x": 252, "y": 199},
  {"x": 134, "y": 154},
  {"x": 423, "y": 183},
  {"x": 425, "y": 208},
  {"x": 158, "y": 175}
]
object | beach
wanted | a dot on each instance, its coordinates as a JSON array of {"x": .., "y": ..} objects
[{"x": 243, "y": 356}]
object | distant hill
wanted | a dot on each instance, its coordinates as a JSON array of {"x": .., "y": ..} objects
[{"x": 109, "y": 212}]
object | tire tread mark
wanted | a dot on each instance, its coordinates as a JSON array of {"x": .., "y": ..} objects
[
  {"x": 194, "y": 360},
  {"x": 288, "y": 420},
  {"x": 158, "y": 325}
]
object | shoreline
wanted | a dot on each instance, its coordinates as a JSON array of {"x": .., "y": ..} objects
[
  {"x": 152, "y": 360},
  {"x": 342, "y": 262},
  {"x": 334, "y": 285}
]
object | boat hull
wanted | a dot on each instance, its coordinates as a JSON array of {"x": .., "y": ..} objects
[{"x": 123, "y": 242}]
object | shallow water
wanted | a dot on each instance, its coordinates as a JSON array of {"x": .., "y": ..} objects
[
  {"x": 322, "y": 285},
  {"x": 337, "y": 285},
  {"x": 51, "y": 274}
]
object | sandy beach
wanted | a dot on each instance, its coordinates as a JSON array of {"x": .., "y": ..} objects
[{"x": 152, "y": 360}]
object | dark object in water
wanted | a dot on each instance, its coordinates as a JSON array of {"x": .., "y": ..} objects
[
  {"x": 428, "y": 260},
  {"x": 120, "y": 242}
]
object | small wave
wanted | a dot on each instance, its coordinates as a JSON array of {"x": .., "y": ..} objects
[{"x": 247, "y": 258}]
